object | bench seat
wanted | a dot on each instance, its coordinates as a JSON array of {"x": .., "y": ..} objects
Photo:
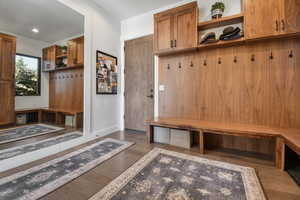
[
  {"x": 59, "y": 114},
  {"x": 290, "y": 137}
]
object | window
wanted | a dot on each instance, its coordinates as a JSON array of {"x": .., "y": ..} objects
[{"x": 28, "y": 75}]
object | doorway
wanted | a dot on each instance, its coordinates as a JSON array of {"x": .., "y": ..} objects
[{"x": 139, "y": 83}]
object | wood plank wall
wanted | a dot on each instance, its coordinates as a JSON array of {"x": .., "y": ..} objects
[
  {"x": 257, "y": 83},
  {"x": 66, "y": 90}
]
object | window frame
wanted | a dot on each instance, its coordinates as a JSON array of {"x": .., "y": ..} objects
[{"x": 39, "y": 74}]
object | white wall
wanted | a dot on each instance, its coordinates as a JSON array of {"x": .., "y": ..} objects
[
  {"x": 102, "y": 32},
  {"x": 143, "y": 25},
  {"x": 32, "y": 47}
]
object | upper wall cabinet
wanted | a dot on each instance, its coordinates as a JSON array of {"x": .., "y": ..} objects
[
  {"x": 76, "y": 51},
  {"x": 271, "y": 18},
  {"x": 290, "y": 21},
  {"x": 54, "y": 58},
  {"x": 176, "y": 28},
  {"x": 49, "y": 57}
]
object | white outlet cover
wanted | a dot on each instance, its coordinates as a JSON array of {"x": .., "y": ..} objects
[{"x": 161, "y": 88}]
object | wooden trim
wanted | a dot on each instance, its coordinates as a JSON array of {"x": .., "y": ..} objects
[
  {"x": 201, "y": 142},
  {"x": 280, "y": 153}
]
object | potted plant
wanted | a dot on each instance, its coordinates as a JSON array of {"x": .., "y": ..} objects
[
  {"x": 217, "y": 10},
  {"x": 64, "y": 49}
]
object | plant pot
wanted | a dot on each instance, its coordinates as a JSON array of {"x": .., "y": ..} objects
[{"x": 216, "y": 13}]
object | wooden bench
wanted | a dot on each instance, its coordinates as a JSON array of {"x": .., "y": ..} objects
[
  {"x": 282, "y": 137},
  {"x": 59, "y": 115}
]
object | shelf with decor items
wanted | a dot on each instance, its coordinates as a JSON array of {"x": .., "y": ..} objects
[
  {"x": 224, "y": 21},
  {"x": 221, "y": 43}
]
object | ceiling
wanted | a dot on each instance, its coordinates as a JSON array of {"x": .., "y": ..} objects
[
  {"x": 123, "y": 9},
  {"x": 54, "y": 20}
]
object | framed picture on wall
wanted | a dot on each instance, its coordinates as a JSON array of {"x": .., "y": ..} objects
[{"x": 106, "y": 74}]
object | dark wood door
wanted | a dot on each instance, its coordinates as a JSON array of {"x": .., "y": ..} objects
[
  {"x": 262, "y": 19},
  {"x": 7, "y": 79},
  {"x": 139, "y": 82}
]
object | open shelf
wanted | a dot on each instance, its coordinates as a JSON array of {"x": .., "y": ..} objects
[
  {"x": 224, "y": 21},
  {"x": 62, "y": 56},
  {"x": 223, "y": 43},
  {"x": 69, "y": 67}
]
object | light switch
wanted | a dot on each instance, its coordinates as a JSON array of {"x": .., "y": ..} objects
[{"x": 161, "y": 88}]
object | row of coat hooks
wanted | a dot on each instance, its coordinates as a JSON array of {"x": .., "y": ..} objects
[
  {"x": 235, "y": 60},
  {"x": 66, "y": 76}
]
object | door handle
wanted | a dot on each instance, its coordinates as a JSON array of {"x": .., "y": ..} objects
[
  {"x": 277, "y": 25},
  {"x": 175, "y": 43},
  {"x": 151, "y": 96}
]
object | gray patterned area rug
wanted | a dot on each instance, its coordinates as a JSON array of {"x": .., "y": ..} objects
[
  {"x": 23, "y": 132},
  {"x": 20, "y": 150},
  {"x": 40, "y": 180},
  {"x": 168, "y": 175}
]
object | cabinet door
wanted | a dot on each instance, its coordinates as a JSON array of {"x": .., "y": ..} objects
[
  {"x": 163, "y": 34},
  {"x": 80, "y": 50},
  {"x": 49, "y": 58},
  {"x": 290, "y": 22},
  {"x": 72, "y": 53},
  {"x": 7, "y": 102},
  {"x": 7, "y": 58},
  {"x": 185, "y": 28},
  {"x": 262, "y": 19}
]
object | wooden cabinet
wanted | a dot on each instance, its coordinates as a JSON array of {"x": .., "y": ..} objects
[
  {"x": 262, "y": 19},
  {"x": 7, "y": 102},
  {"x": 176, "y": 28},
  {"x": 52, "y": 56},
  {"x": 76, "y": 51},
  {"x": 163, "y": 34},
  {"x": 49, "y": 58},
  {"x": 7, "y": 79},
  {"x": 290, "y": 21},
  {"x": 270, "y": 18}
]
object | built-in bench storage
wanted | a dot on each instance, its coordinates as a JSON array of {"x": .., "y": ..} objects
[
  {"x": 282, "y": 137},
  {"x": 55, "y": 116}
]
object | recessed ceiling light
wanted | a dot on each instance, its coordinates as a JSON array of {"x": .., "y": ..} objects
[{"x": 35, "y": 30}]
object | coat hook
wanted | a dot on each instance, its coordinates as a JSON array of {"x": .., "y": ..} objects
[
  {"x": 192, "y": 64},
  {"x": 168, "y": 66},
  {"x": 291, "y": 54},
  {"x": 179, "y": 65},
  {"x": 220, "y": 62},
  {"x": 235, "y": 59},
  {"x": 205, "y": 64},
  {"x": 253, "y": 58},
  {"x": 271, "y": 56}
]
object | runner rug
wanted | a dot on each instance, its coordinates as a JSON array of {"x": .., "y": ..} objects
[
  {"x": 40, "y": 180},
  {"x": 169, "y": 175},
  {"x": 20, "y": 150},
  {"x": 23, "y": 132}
]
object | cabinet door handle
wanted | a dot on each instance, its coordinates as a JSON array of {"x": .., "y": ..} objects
[
  {"x": 283, "y": 25},
  {"x": 277, "y": 25},
  {"x": 175, "y": 43}
]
